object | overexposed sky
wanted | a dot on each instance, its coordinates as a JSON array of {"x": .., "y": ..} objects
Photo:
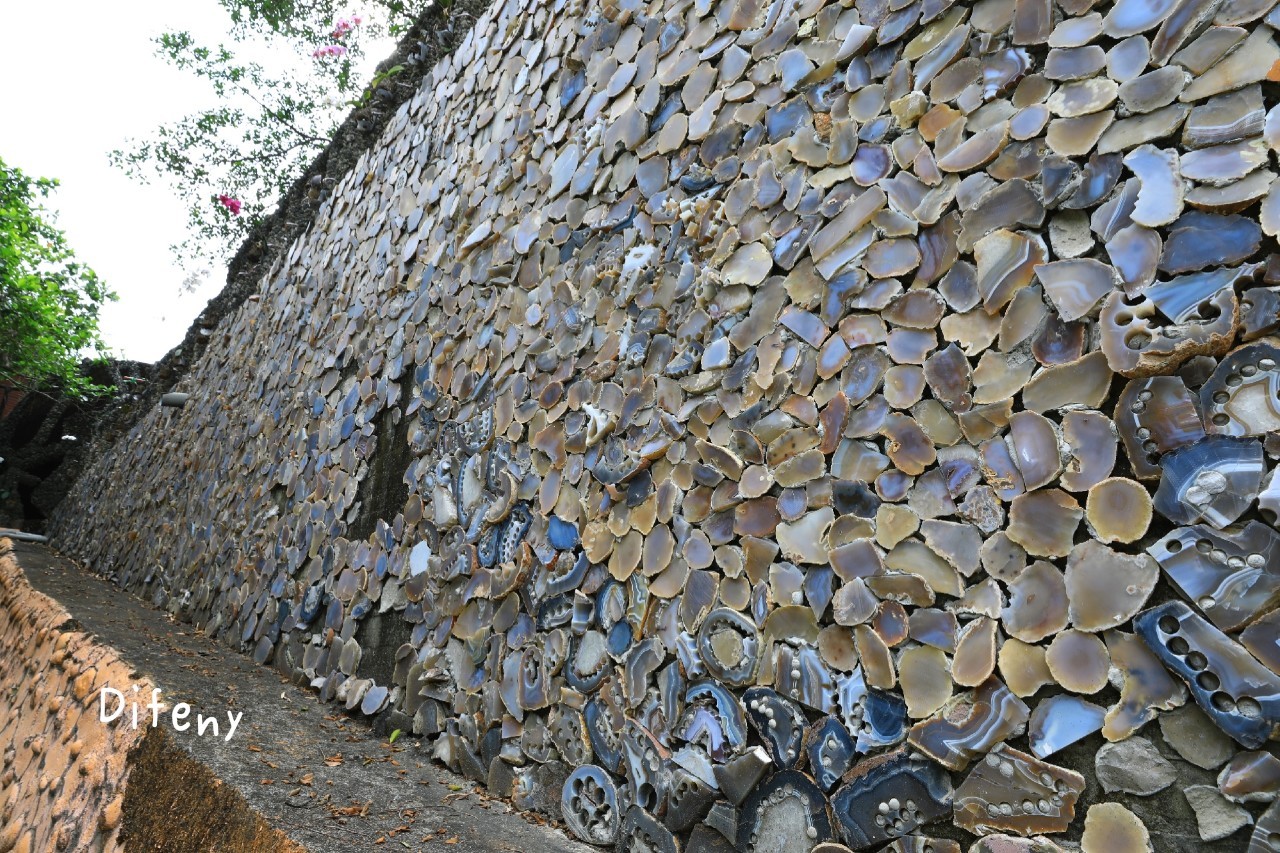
[{"x": 79, "y": 78}]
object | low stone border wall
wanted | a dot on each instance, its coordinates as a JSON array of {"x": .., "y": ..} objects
[
  {"x": 64, "y": 771},
  {"x": 71, "y": 782}
]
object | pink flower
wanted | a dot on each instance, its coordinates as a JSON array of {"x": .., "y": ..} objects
[
  {"x": 342, "y": 26},
  {"x": 231, "y": 204},
  {"x": 328, "y": 50}
]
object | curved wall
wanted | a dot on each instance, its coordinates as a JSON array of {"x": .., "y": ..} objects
[{"x": 769, "y": 410}]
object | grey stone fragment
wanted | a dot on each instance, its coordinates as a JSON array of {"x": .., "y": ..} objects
[
  {"x": 1216, "y": 816},
  {"x": 706, "y": 840},
  {"x": 724, "y": 818},
  {"x": 1133, "y": 766},
  {"x": 737, "y": 777},
  {"x": 1194, "y": 736},
  {"x": 1014, "y": 844},
  {"x": 543, "y": 795},
  {"x": 502, "y": 778}
]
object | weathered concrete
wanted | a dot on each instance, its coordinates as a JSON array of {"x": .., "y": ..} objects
[{"x": 324, "y": 780}]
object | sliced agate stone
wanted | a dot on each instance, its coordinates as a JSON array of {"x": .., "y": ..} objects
[
  {"x": 787, "y": 812},
  {"x": 830, "y": 750},
  {"x": 1242, "y": 397},
  {"x": 1228, "y": 574},
  {"x": 1059, "y": 721},
  {"x": 1240, "y": 695},
  {"x": 890, "y": 796},
  {"x": 1250, "y": 777},
  {"x": 1214, "y": 481},
  {"x": 1011, "y": 791},
  {"x": 1155, "y": 416},
  {"x": 778, "y": 721},
  {"x": 970, "y": 724},
  {"x": 641, "y": 832},
  {"x": 589, "y": 805}
]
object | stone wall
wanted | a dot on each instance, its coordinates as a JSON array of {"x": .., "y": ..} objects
[
  {"x": 64, "y": 773},
  {"x": 769, "y": 424}
]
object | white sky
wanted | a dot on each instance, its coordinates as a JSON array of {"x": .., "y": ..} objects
[{"x": 79, "y": 78}]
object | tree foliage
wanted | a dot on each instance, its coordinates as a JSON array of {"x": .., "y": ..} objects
[
  {"x": 263, "y": 126},
  {"x": 49, "y": 301}
]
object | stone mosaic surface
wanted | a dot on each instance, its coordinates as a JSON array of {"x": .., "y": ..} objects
[
  {"x": 784, "y": 425},
  {"x": 62, "y": 772}
]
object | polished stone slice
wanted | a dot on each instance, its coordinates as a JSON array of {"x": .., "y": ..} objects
[
  {"x": 975, "y": 656},
  {"x": 1223, "y": 164},
  {"x": 1091, "y": 441},
  {"x": 889, "y": 796},
  {"x": 1209, "y": 47},
  {"x": 1224, "y": 573},
  {"x": 1106, "y": 587},
  {"x": 786, "y": 812},
  {"x": 1082, "y": 97},
  {"x": 1111, "y": 828},
  {"x": 1118, "y": 510},
  {"x": 1242, "y": 396},
  {"x": 778, "y": 721},
  {"x": 970, "y": 724},
  {"x": 1198, "y": 240},
  {"x": 589, "y": 805},
  {"x": 1044, "y": 522},
  {"x": 1035, "y": 449},
  {"x": 1059, "y": 721},
  {"x": 1128, "y": 58},
  {"x": 1037, "y": 603},
  {"x": 1006, "y": 262},
  {"x": 1160, "y": 194},
  {"x": 1077, "y": 136},
  {"x": 1214, "y": 481},
  {"x": 925, "y": 676},
  {"x": 1011, "y": 791},
  {"x": 1023, "y": 667},
  {"x": 830, "y": 750},
  {"x": 1075, "y": 286},
  {"x": 1140, "y": 129},
  {"x": 1129, "y": 17},
  {"x": 1146, "y": 687},
  {"x": 1240, "y": 695},
  {"x": 1074, "y": 63},
  {"x": 1155, "y": 416},
  {"x": 1250, "y": 777},
  {"x": 1083, "y": 383},
  {"x": 1135, "y": 252},
  {"x": 1154, "y": 89},
  {"x": 1078, "y": 661}
]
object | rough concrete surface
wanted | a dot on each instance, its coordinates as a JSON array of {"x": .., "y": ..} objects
[{"x": 320, "y": 777}]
